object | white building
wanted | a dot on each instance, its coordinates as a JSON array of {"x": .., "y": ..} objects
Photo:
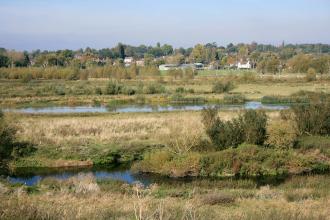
[
  {"x": 241, "y": 65},
  {"x": 128, "y": 61}
]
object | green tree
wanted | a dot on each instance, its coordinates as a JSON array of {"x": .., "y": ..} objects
[
  {"x": 4, "y": 61},
  {"x": 121, "y": 50},
  {"x": 198, "y": 54}
]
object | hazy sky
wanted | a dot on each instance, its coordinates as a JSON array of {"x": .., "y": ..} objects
[{"x": 73, "y": 24}]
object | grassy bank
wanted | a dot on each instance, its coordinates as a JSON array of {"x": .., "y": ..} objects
[
  {"x": 245, "y": 161},
  {"x": 83, "y": 197}
]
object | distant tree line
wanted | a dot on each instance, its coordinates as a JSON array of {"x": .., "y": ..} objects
[{"x": 264, "y": 58}]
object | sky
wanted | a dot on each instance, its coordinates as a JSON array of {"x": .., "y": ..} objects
[{"x": 74, "y": 24}]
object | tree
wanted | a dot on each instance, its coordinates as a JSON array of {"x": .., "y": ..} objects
[
  {"x": 4, "y": 61},
  {"x": 269, "y": 63},
  {"x": 167, "y": 49},
  {"x": 121, "y": 50},
  {"x": 299, "y": 63},
  {"x": 176, "y": 59},
  {"x": 198, "y": 54},
  {"x": 321, "y": 64},
  {"x": 148, "y": 59},
  {"x": 15, "y": 57}
]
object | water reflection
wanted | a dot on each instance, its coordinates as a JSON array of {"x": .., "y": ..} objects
[{"x": 131, "y": 108}]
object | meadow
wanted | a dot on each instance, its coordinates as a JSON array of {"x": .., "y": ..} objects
[
  {"x": 248, "y": 85},
  {"x": 224, "y": 154}
]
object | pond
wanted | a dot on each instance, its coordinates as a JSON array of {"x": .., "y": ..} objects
[
  {"x": 146, "y": 108},
  {"x": 32, "y": 176}
]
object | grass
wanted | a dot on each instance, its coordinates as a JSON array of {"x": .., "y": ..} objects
[
  {"x": 245, "y": 161},
  {"x": 15, "y": 93},
  {"x": 83, "y": 197}
]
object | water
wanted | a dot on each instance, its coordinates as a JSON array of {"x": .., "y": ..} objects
[
  {"x": 146, "y": 108},
  {"x": 32, "y": 176}
]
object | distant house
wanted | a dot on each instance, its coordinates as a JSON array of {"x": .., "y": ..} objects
[
  {"x": 128, "y": 61},
  {"x": 242, "y": 65},
  {"x": 140, "y": 62}
]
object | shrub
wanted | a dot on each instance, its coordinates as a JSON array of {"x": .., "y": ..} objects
[
  {"x": 222, "y": 87},
  {"x": 234, "y": 98},
  {"x": 218, "y": 199},
  {"x": 180, "y": 90},
  {"x": 128, "y": 90},
  {"x": 223, "y": 134},
  {"x": 7, "y": 136},
  {"x": 281, "y": 134},
  {"x": 181, "y": 139},
  {"x": 113, "y": 88},
  {"x": 166, "y": 163},
  {"x": 208, "y": 116},
  {"x": 313, "y": 118},
  {"x": 310, "y": 75},
  {"x": 74, "y": 74},
  {"x": 154, "y": 89},
  {"x": 254, "y": 125},
  {"x": 318, "y": 142},
  {"x": 226, "y": 134},
  {"x": 60, "y": 90},
  {"x": 27, "y": 77},
  {"x": 98, "y": 91},
  {"x": 250, "y": 127}
]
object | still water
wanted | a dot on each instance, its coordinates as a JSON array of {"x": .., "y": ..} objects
[{"x": 146, "y": 108}]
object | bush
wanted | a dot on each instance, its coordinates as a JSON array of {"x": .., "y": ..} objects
[
  {"x": 226, "y": 134},
  {"x": 128, "y": 90},
  {"x": 234, "y": 99},
  {"x": 222, "y": 134},
  {"x": 113, "y": 88},
  {"x": 315, "y": 142},
  {"x": 7, "y": 137},
  {"x": 255, "y": 123},
  {"x": 218, "y": 199},
  {"x": 311, "y": 75},
  {"x": 98, "y": 91},
  {"x": 222, "y": 87},
  {"x": 313, "y": 118},
  {"x": 180, "y": 90},
  {"x": 249, "y": 128},
  {"x": 27, "y": 77},
  {"x": 154, "y": 89},
  {"x": 74, "y": 74},
  {"x": 60, "y": 90},
  {"x": 281, "y": 134}
]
